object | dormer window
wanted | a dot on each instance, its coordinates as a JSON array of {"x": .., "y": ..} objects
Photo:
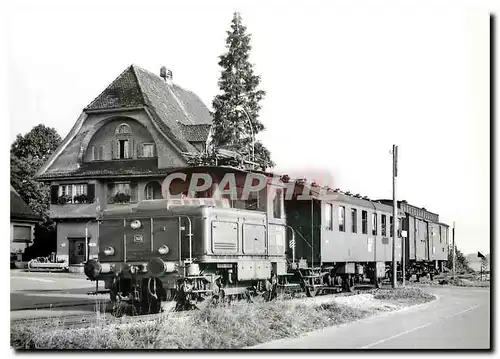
[
  {"x": 123, "y": 149},
  {"x": 97, "y": 153},
  {"x": 148, "y": 150}
]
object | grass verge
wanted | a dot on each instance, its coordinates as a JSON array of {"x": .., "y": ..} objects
[
  {"x": 411, "y": 295},
  {"x": 236, "y": 326}
]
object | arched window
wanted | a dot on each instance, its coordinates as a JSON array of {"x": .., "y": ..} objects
[
  {"x": 123, "y": 146},
  {"x": 153, "y": 191},
  {"x": 123, "y": 128}
]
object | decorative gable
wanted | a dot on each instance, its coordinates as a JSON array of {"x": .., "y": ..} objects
[{"x": 177, "y": 120}]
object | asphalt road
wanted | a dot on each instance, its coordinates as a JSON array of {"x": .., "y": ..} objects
[
  {"x": 36, "y": 293},
  {"x": 459, "y": 319}
]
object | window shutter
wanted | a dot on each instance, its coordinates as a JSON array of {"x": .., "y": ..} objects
[
  {"x": 132, "y": 150},
  {"x": 139, "y": 150},
  {"x": 113, "y": 149},
  {"x": 117, "y": 149},
  {"x": 91, "y": 192},
  {"x": 133, "y": 192},
  {"x": 54, "y": 194},
  {"x": 154, "y": 150}
]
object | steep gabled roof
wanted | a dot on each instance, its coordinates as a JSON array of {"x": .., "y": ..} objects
[
  {"x": 19, "y": 209},
  {"x": 196, "y": 133},
  {"x": 124, "y": 91},
  {"x": 173, "y": 108},
  {"x": 179, "y": 114}
]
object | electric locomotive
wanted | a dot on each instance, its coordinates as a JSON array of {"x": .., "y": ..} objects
[{"x": 194, "y": 248}]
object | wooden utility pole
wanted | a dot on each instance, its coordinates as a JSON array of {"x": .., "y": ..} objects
[
  {"x": 394, "y": 213},
  {"x": 454, "y": 256}
]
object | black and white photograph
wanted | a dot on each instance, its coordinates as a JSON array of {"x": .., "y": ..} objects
[{"x": 261, "y": 176}]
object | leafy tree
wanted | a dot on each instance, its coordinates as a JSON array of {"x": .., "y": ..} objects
[
  {"x": 28, "y": 153},
  {"x": 484, "y": 263},
  {"x": 462, "y": 263},
  {"x": 239, "y": 96}
]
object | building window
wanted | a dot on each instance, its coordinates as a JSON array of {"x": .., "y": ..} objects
[
  {"x": 277, "y": 203},
  {"x": 153, "y": 191},
  {"x": 22, "y": 233},
  {"x": 342, "y": 218},
  {"x": 364, "y": 222},
  {"x": 73, "y": 193},
  {"x": 354, "y": 220},
  {"x": 123, "y": 149},
  {"x": 384, "y": 225},
  {"x": 123, "y": 129},
  {"x": 374, "y": 224},
  {"x": 80, "y": 249},
  {"x": 122, "y": 192},
  {"x": 97, "y": 153},
  {"x": 328, "y": 217},
  {"x": 148, "y": 150},
  {"x": 392, "y": 226},
  {"x": 66, "y": 190}
]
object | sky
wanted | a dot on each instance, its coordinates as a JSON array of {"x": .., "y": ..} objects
[{"x": 344, "y": 81}]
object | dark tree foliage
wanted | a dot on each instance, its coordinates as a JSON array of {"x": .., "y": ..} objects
[
  {"x": 239, "y": 93},
  {"x": 28, "y": 153},
  {"x": 462, "y": 263}
]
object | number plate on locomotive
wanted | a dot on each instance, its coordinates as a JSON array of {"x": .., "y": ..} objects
[{"x": 138, "y": 239}]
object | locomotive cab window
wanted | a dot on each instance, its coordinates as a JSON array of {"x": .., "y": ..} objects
[
  {"x": 277, "y": 203},
  {"x": 342, "y": 218}
]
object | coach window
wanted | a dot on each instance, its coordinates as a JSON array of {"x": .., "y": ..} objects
[
  {"x": 440, "y": 236},
  {"x": 392, "y": 227},
  {"x": 384, "y": 225},
  {"x": 328, "y": 217},
  {"x": 342, "y": 218},
  {"x": 354, "y": 220},
  {"x": 364, "y": 222},
  {"x": 374, "y": 224}
]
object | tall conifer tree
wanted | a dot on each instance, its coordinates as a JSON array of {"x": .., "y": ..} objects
[{"x": 239, "y": 89}]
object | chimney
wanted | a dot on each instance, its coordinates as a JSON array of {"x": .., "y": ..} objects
[{"x": 166, "y": 75}]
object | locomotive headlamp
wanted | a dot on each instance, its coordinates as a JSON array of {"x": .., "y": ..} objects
[
  {"x": 109, "y": 251},
  {"x": 163, "y": 250},
  {"x": 136, "y": 224}
]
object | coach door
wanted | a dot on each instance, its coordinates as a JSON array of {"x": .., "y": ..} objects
[{"x": 421, "y": 240}]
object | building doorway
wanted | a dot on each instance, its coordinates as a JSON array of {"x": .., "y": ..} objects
[{"x": 77, "y": 251}]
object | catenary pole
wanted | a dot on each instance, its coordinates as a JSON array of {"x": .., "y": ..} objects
[{"x": 394, "y": 213}]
